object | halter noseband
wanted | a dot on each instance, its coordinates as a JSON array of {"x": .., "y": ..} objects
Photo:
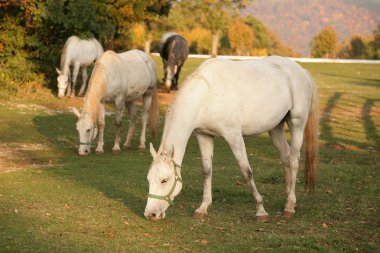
[{"x": 167, "y": 197}]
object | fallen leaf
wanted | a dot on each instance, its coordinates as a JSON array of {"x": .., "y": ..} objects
[
  {"x": 203, "y": 241},
  {"x": 324, "y": 225}
]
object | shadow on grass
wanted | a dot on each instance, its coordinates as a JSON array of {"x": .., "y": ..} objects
[
  {"x": 369, "y": 124},
  {"x": 116, "y": 176},
  {"x": 365, "y": 82}
]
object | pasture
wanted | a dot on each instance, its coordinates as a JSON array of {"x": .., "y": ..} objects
[{"x": 52, "y": 200}]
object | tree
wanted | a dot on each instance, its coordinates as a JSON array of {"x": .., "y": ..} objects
[
  {"x": 32, "y": 33},
  {"x": 240, "y": 37},
  {"x": 375, "y": 44},
  {"x": 359, "y": 49},
  {"x": 324, "y": 45}
]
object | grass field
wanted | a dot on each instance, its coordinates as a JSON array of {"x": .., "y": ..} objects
[{"x": 52, "y": 200}]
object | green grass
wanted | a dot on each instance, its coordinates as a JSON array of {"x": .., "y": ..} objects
[{"x": 59, "y": 202}]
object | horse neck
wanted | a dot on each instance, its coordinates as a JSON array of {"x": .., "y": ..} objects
[
  {"x": 181, "y": 119},
  {"x": 95, "y": 93},
  {"x": 65, "y": 60}
]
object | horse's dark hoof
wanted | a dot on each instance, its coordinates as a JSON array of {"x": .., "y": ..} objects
[
  {"x": 142, "y": 148},
  {"x": 263, "y": 218},
  {"x": 99, "y": 152},
  {"x": 115, "y": 152},
  {"x": 288, "y": 214},
  {"x": 199, "y": 215},
  {"x": 127, "y": 147}
]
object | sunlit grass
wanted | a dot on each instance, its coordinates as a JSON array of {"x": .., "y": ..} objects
[{"x": 67, "y": 203}]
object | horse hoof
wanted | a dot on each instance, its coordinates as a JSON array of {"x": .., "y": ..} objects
[
  {"x": 142, "y": 148},
  {"x": 288, "y": 214},
  {"x": 99, "y": 152},
  {"x": 200, "y": 216},
  {"x": 115, "y": 152},
  {"x": 127, "y": 147},
  {"x": 262, "y": 218}
]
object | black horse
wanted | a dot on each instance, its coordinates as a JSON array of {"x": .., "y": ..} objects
[{"x": 174, "y": 51}]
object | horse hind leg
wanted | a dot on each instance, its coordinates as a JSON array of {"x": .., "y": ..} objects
[
  {"x": 236, "y": 142},
  {"x": 132, "y": 122},
  {"x": 84, "y": 81},
  {"x": 206, "y": 146},
  {"x": 144, "y": 118},
  {"x": 296, "y": 130},
  {"x": 278, "y": 139}
]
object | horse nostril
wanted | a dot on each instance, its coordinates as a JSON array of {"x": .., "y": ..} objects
[{"x": 153, "y": 215}]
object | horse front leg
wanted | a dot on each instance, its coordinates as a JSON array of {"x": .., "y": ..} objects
[
  {"x": 206, "y": 146},
  {"x": 118, "y": 116},
  {"x": 74, "y": 81},
  {"x": 101, "y": 126},
  {"x": 84, "y": 81},
  {"x": 144, "y": 118},
  {"x": 236, "y": 142},
  {"x": 132, "y": 122}
]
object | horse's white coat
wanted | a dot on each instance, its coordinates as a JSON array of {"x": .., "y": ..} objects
[
  {"x": 232, "y": 99},
  {"x": 122, "y": 78},
  {"x": 77, "y": 54}
]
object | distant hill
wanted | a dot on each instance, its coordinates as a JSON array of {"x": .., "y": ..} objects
[{"x": 297, "y": 21}]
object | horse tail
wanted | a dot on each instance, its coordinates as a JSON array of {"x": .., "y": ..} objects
[
  {"x": 154, "y": 114},
  {"x": 311, "y": 144}
]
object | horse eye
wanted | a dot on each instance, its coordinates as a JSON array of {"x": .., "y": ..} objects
[
  {"x": 88, "y": 130},
  {"x": 164, "y": 181}
]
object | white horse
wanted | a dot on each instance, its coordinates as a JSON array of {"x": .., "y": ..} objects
[
  {"x": 123, "y": 78},
  {"x": 232, "y": 99},
  {"x": 76, "y": 53}
]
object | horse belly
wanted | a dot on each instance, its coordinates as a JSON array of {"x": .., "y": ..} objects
[{"x": 262, "y": 115}]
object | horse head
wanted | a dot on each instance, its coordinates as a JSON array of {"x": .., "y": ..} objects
[
  {"x": 63, "y": 82},
  {"x": 165, "y": 183},
  {"x": 87, "y": 132},
  {"x": 169, "y": 78}
]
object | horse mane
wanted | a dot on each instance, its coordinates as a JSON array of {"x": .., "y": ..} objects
[
  {"x": 97, "y": 89},
  {"x": 64, "y": 54}
]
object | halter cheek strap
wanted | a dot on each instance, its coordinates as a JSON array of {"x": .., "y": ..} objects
[
  {"x": 167, "y": 198},
  {"x": 92, "y": 136}
]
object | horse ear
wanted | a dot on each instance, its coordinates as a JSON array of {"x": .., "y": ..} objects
[
  {"x": 58, "y": 71},
  {"x": 76, "y": 112},
  {"x": 152, "y": 151}
]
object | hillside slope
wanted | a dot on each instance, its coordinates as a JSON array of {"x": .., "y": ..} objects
[{"x": 297, "y": 21}]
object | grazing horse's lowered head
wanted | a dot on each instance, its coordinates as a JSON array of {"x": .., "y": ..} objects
[
  {"x": 63, "y": 82},
  {"x": 174, "y": 52},
  {"x": 87, "y": 132},
  {"x": 165, "y": 183}
]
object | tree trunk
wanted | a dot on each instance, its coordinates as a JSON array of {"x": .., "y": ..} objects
[
  {"x": 215, "y": 44},
  {"x": 148, "y": 42}
]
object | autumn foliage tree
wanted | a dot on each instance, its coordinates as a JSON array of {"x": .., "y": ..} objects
[
  {"x": 240, "y": 37},
  {"x": 325, "y": 44}
]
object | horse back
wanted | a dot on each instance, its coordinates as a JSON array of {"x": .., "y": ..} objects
[
  {"x": 255, "y": 95},
  {"x": 127, "y": 74}
]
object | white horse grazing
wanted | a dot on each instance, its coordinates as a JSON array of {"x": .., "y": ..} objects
[
  {"x": 76, "y": 53},
  {"x": 232, "y": 99},
  {"x": 123, "y": 78}
]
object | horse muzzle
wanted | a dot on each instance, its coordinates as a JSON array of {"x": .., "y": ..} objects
[{"x": 154, "y": 216}]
